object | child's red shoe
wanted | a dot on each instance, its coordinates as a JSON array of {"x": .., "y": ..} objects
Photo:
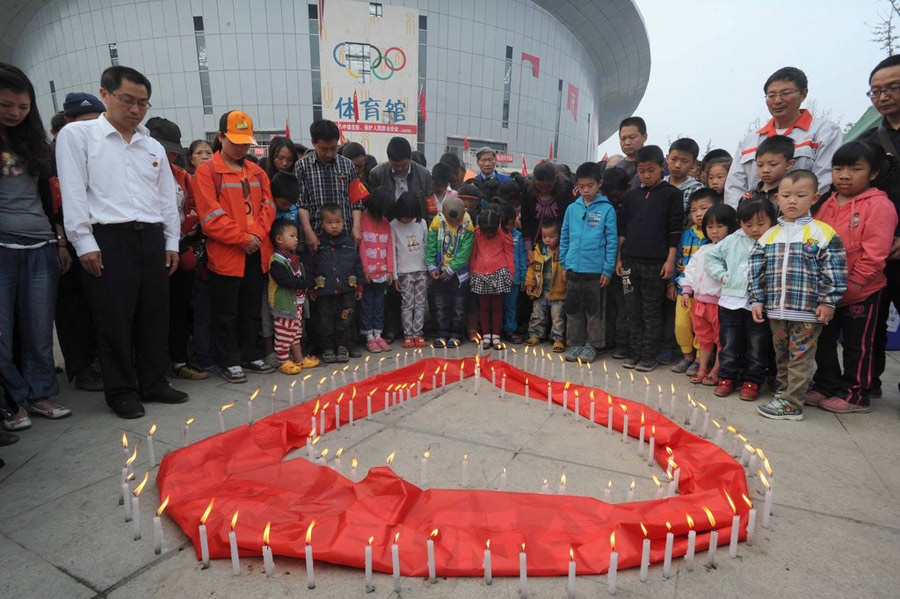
[
  {"x": 749, "y": 392},
  {"x": 409, "y": 342},
  {"x": 724, "y": 388}
]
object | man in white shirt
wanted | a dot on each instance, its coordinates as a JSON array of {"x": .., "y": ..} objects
[{"x": 121, "y": 217}]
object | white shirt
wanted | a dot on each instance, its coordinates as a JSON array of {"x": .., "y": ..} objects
[{"x": 104, "y": 180}]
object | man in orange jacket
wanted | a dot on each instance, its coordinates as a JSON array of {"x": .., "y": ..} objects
[{"x": 236, "y": 211}]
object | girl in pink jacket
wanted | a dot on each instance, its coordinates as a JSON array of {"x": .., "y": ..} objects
[
  {"x": 376, "y": 250},
  {"x": 492, "y": 268},
  {"x": 865, "y": 220}
]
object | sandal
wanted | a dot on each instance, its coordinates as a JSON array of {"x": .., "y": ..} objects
[
  {"x": 699, "y": 376},
  {"x": 19, "y": 424},
  {"x": 290, "y": 367},
  {"x": 310, "y": 362},
  {"x": 54, "y": 413},
  {"x": 711, "y": 379}
]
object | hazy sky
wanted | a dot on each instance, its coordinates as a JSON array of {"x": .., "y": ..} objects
[{"x": 710, "y": 59}]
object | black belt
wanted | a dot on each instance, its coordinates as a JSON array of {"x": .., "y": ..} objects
[{"x": 132, "y": 226}]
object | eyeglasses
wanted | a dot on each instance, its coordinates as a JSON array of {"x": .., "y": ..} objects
[
  {"x": 129, "y": 101},
  {"x": 889, "y": 91},
  {"x": 783, "y": 94}
]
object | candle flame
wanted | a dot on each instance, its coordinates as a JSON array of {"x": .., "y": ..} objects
[
  {"x": 702, "y": 406},
  {"x": 644, "y": 529},
  {"x": 396, "y": 538},
  {"x": 604, "y": 367},
  {"x": 327, "y": 403},
  {"x": 624, "y": 408},
  {"x": 612, "y": 540},
  {"x": 631, "y": 375},
  {"x": 710, "y": 517},
  {"x": 487, "y": 544},
  {"x": 609, "y": 399},
  {"x": 632, "y": 484},
  {"x": 747, "y": 501},
  {"x": 309, "y": 532},
  {"x": 562, "y": 479},
  {"x": 421, "y": 376},
  {"x": 130, "y": 477},
  {"x": 647, "y": 381},
  {"x": 356, "y": 368},
  {"x": 426, "y": 455},
  {"x": 353, "y": 395},
  {"x": 382, "y": 359},
  {"x": 316, "y": 439},
  {"x": 526, "y": 381},
  {"x": 609, "y": 483},
  {"x": 316, "y": 408},
  {"x": 566, "y": 386},
  {"x": 742, "y": 438},
  {"x": 207, "y": 512},
  {"x": 389, "y": 387},
  {"x": 294, "y": 382},
  {"x": 592, "y": 395},
  {"x": 307, "y": 377},
  {"x": 765, "y": 481},
  {"x": 445, "y": 367},
  {"x": 189, "y": 421},
  {"x": 132, "y": 457},
  {"x": 690, "y": 521},
  {"x": 390, "y": 458},
  {"x": 367, "y": 358},
  {"x": 653, "y": 430},
  {"x": 642, "y": 417},
  {"x": 124, "y": 440},
  {"x": 669, "y": 526},
  {"x": 322, "y": 380},
  {"x": 673, "y": 388},
  {"x": 545, "y": 481},
  {"x": 274, "y": 388},
  {"x": 254, "y": 394},
  {"x": 669, "y": 450},
  {"x": 140, "y": 487},
  {"x": 434, "y": 533},
  {"x": 523, "y": 547},
  {"x": 750, "y": 449},
  {"x": 659, "y": 389},
  {"x": 266, "y": 533},
  {"x": 656, "y": 480},
  {"x": 571, "y": 554},
  {"x": 371, "y": 539},
  {"x": 152, "y": 430},
  {"x": 589, "y": 366},
  {"x": 324, "y": 453},
  {"x": 714, "y": 421},
  {"x": 372, "y": 392},
  {"x": 234, "y": 519},
  {"x": 226, "y": 406},
  {"x": 339, "y": 453},
  {"x": 333, "y": 373},
  {"x": 162, "y": 506},
  {"x": 465, "y": 457},
  {"x": 670, "y": 475},
  {"x": 618, "y": 378},
  {"x": 767, "y": 466},
  {"x": 353, "y": 463},
  {"x": 731, "y": 429},
  {"x": 578, "y": 359}
]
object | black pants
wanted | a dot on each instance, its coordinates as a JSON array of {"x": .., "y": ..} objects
[
  {"x": 335, "y": 312},
  {"x": 181, "y": 316},
  {"x": 644, "y": 307},
  {"x": 451, "y": 307},
  {"x": 131, "y": 310},
  {"x": 585, "y": 307},
  {"x": 237, "y": 302},
  {"x": 74, "y": 321},
  {"x": 855, "y": 325},
  {"x": 746, "y": 347},
  {"x": 616, "y": 316},
  {"x": 392, "y": 311},
  {"x": 890, "y": 294}
]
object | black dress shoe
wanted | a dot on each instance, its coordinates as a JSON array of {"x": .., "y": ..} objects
[
  {"x": 8, "y": 438},
  {"x": 90, "y": 381},
  {"x": 127, "y": 408},
  {"x": 167, "y": 396}
]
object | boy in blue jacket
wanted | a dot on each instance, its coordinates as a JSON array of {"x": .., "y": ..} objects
[{"x": 587, "y": 253}]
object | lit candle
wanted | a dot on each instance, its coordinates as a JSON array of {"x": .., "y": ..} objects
[
  {"x": 434, "y": 380},
  {"x": 677, "y": 478},
  {"x": 713, "y": 538},
  {"x": 397, "y": 361},
  {"x": 150, "y": 446},
  {"x": 659, "y": 487},
  {"x": 323, "y": 459},
  {"x": 577, "y": 404},
  {"x": 423, "y": 475},
  {"x": 647, "y": 391},
  {"x": 462, "y": 371},
  {"x": 268, "y": 560},
  {"x": 552, "y": 366},
  {"x": 671, "y": 488},
  {"x": 605, "y": 377},
  {"x": 291, "y": 393},
  {"x": 607, "y": 493},
  {"x": 719, "y": 432},
  {"x": 523, "y": 574},
  {"x": 650, "y": 453},
  {"x": 250, "y": 405},
  {"x": 659, "y": 398},
  {"x": 562, "y": 367},
  {"x": 381, "y": 363},
  {"x": 767, "y": 506},
  {"x": 232, "y": 543},
  {"x": 356, "y": 373},
  {"x": 477, "y": 376},
  {"x": 274, "y": 391},
  {"x": 390, "y": 458},
  {"x": 350, "y": 411},
  {"x": 187, "y": 431},
  {"x": 570, "y": 586},
  {"x": 695, "y": 414},
  {"x": 672, "y": 402},
  {"x": 630, "y": 496},
  {"x": 338, "y": 464},
  {"x": 222, "y": 415},
  {"x": 618, "y": 385},
  {"x": 640, "y": 443},
  {"x": 503, "y": 387},
  {"x": 667, "y": 559},
  {"x": 545, "y": 488},
  {"x": 631, "y": 376},
  {"x": 303, "y": 386},
  {"x": 333, "y": 384},
  {"x": 609, "y": 414},
  {"x": 645, "y": 555},
  {"x": 580, "y": 369},
  {"x": 369, "y": 403},
  {"x": 613, "y": 564},
  {"x": 488, "y": 574},
  {"x": 754, "y": 460},
  {"x": 549, "y": 397},
  {"x": 322, "y": 418},
  {"x": 692, "y": 544},
  {"x": 593, "y": 422},
  {"x": 624, "y": 423},
  {"x": 735, "y": 528},
  {"x": 590, "y": 374},
  {"x": 395, "y": 561},
  {"x": 465, "y": 471},
  {"x": 309, "y": 447},
  {"x": 369, "y": 586},
  {"x": 526, "y": 392},
  {"x": 444, "y": 376},
  {"x": 353, "y": 463},
  {"x": 204, "y": 542},
  {"x": 366, "y": 364},
  {"x": 310, "y": 569},
  {"x": 337, "y": 412},
  {"x": 502, "y": 480},
  {"x": 493, "y": 377},
  {"x": 136, "y": 506},
  {"x": 157, "y": 527},
  {"x": 562, "y": 484},
  {"x": 419, "y": 384},
  {"x": 432, "y": 574},
  {"x": 565, "y": 403},
  {"x": 751, "y": 519}
]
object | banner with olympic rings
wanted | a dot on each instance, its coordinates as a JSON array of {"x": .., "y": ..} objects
[{"x": 369, "y": 56}]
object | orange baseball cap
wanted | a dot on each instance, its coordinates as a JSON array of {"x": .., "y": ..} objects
[{"x": 237, "y": 126}]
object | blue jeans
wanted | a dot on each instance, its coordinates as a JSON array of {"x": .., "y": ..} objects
[
  {"x": 28, "y": 283},
  {"x": 746, "y": 346},
  {"x": 510, "y": 310},
  {"x": 372, "y": 307},
  {"x": 451, "y": 301}
]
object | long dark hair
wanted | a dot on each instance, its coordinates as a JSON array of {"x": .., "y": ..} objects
[
  {"x": 27, "y": 139},
  {"x": 275, "y": 145}
]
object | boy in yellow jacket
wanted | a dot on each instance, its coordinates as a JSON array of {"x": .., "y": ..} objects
[{"x": 546, "y": 284}]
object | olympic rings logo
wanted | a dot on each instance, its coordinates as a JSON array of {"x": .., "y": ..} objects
[{"x": 382, "y": 65}]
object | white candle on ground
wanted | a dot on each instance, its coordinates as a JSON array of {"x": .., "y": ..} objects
[
  {"x": 713, "y": 543},
  {"x": 268, "y": 561},
  {"x": 477, "y": 379},
  {"x": 150, "y": 448},
  {"x": 677, "y": 480},
  {"x": 353, "y": 463},
  {"x": 609, "y": 418},
  {"x": 630, "y": 496},
  {"x": 125, "y": 498},
  {"x": 322, "y": 421},
  {"x": 502, "y": 480},
  {"x": 204, "y": 547},
  {"x": 136, "y": 516},
  {"x": 577, "y": 404},
  {"x": 369, "y": 586},
  {"x": 337, "y": 416},
  {"x": 652, "y": 449},
  {"x": 526, "y": 392},
  {"x": 157, "y": 535},
  {"x": 310, "y": 569},
  {"x": 607, "y": 493},
  {"x": 667, "y": 559},
  {"x": 395, "y": 562},
  {"x": 612, "y": 574},
  {"x": 187, "y": 431},
  {"x": 689, "y": 555},
  {"x": 274, "y": 391},
  {"x": 488, "y": 574},
  {"x": 549, "y": 396},
  {"x": 735, "y": 535},
  {"x": 625, "y": 428},
  {"x": 387, "y": 402},
  {"x": 570, "y": 586},
  {"x": 429, "y": 544},
  {"x": 369, "y": 405},
  {"x": 232, "y": 543},
  {"x": 767, "y": 509},
  {"x": 640, "y": 444},
  {"x": 423, "y": 475},
  {"x": 545, "y": 488},
  {"x": 503, "y": 387},
  {"x": 592, "y": 408},
  {"x": 444, "y": 378},
  {"x": 523, "y": 574},
  {"x": 645, "y": 559},
  {"x": 562, "y": 484},
  {"x": 465, "y": 471},
  {"x": 350, "y": 422}
]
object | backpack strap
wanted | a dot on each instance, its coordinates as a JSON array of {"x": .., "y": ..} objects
[
  {"x": 217, "y": 180},
  {"x": 885, "y": 138}
]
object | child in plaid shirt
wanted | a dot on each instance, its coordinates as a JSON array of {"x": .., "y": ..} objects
[{"x": 798, "y": 273}]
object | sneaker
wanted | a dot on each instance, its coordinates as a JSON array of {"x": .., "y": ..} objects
[
  {"x": 420, "y": 342},
  {"x": 373, "y": 346},
  {"x": 842, "y": 406},
  {"x": 682, "y": 365},
  {"x": 630, "y": 363},
  {"x": 664, "y": 356},
  {"x": 559, "y": 347},
  {"x": 342, "y": 354},
  {"x": 620, "y": 354},
  {"x": 354, "y": 351},
  {"x": 780, "y": 409},
  {"x": 328, "y": 356},
  {"x": 453, "y": 342},
  {"x": 290, "y": 367},
  {"x": 588, "y": 353},
  {"x": 234, "y": 374},
  {"x": 692, "y": 369},
  {"x": 188, "y": 372},
  {"x": 573, "y": 354},
  {"x": 383, "y": 344},
  {"x": 497, "y": 344},
  {"x": 258, "y": 366},
  {"x": 726, "y": 388},
  {"x": 814, "y": 398},
  {"x": 749, "y": 392},
  {"x": 409, "y": 342},
  {"x": 486, "y": 342},
  {"x": 532, "y": 341},
  {"x": 647, "y": 365},
  {"x": 439, "y": 343},
  {"x": 272, "y": 360}
]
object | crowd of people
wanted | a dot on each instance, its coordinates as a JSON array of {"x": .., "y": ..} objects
[{"x": 742, "y": 271}]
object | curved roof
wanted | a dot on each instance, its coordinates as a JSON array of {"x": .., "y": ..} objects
[{"x": 612, "y": 32}]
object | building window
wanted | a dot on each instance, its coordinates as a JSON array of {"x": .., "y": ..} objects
[
  {"x": 507, "y": 87},
  {"x": 376, "y": 9},
  {"x": 558, "y": 115},
  {"x": 358, "y": 59},
  {"x": 315, "y": 66},
  {"x": 203, "y": 65},
  {"x": 114, "y": 54},
  {"x": 53, "y": 96},
  {"x": 423, "y": 61}
]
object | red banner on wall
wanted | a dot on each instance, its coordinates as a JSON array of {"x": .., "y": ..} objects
[{"x": 572, "y": 101}]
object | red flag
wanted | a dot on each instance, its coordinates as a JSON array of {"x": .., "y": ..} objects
[
  {"x": 524, "y": 167},
  {"x": 605, "y": 157},
  {"x": 287, "y": 128},
  {"x": 466, "y": 144},
  {"x": 422, "y": 104},
  {"x": 343, "y": 141},
  {"x": 572, "y": 101},
  {"x": 535, "y": 63},
  {"x": 321, "y": 16},
  {"x": 355, "y": 107},
  {"x": 551, "y": 151}
]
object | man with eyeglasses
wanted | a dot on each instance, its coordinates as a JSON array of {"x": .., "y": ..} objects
[
  {"x": 884, "y": 91},
  {"x": 121, "y": 216},
  {"x": 815, "y": 139}
]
